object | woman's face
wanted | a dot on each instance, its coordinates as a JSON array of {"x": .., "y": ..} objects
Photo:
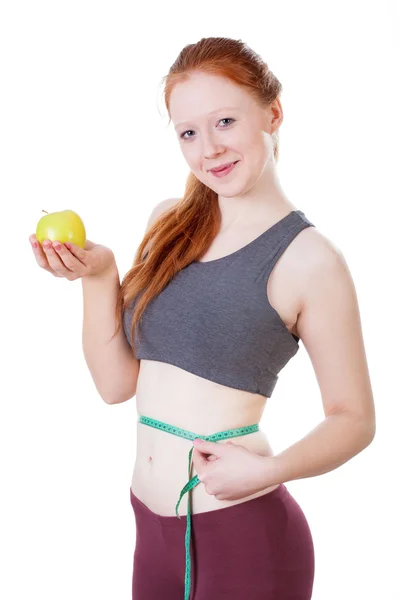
[{"x": 218, "y": 122}]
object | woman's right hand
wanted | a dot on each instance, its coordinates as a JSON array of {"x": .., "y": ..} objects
[{"x": 77, "y": 262}]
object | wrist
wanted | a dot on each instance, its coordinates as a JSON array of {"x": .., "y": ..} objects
[
  {"x": 108, "y": 274},
  {"x": 272, "y": 471}
]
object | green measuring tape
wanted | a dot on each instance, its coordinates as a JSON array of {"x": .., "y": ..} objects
[{"x": 189, "y": 435}]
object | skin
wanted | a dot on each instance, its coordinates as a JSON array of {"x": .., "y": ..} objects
[
  {"x": 209, "y": 141},
  {"x": 311, "y": 289}
]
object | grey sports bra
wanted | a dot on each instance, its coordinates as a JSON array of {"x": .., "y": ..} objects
[{"x": 214, "y": 318}]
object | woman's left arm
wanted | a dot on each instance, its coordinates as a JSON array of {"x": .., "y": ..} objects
[{"x": 329, "y": 326}]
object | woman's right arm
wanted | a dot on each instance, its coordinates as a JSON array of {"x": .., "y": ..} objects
[{"x": 112, "y": 365}]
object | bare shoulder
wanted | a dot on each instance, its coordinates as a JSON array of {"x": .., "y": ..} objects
[
  {"x": 157, "y": 211},
  {"x": 288, "y": 285},
  {"x": 160, "y": 209},
  {"x": 312, "y": 250},
  {"x": 307, "y": 253},
  {"x": 165, "y": 205},
  {"x": 322, "y": 272}
]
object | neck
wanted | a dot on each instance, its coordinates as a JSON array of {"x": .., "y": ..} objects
[{"x": 265, "y": 201}]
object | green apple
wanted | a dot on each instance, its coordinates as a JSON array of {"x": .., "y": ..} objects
[{"x": 63, "y": 226}]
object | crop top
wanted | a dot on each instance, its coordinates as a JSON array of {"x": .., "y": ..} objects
[{"x": 214, "y": 318}]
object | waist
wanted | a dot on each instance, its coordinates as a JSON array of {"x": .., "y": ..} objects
[
  {"x": 218, "y": 436},
  {"x": 162, "y": 465},
  {"x": 186, "y": 434},
  {"x": 167, "y": 440}
]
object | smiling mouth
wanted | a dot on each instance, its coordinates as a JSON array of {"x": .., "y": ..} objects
[{"x": 227, "y": 166}]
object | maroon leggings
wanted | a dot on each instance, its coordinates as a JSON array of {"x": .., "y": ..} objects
[{"x": 261, "y": 549}]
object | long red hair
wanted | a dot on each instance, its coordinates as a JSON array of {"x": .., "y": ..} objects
[{"x": 183, "y": 233}]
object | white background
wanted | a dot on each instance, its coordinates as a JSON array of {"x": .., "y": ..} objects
[{"x": 83, "y": 126}]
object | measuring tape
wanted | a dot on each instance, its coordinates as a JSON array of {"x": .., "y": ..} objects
[{"x": 189, "y": 435}]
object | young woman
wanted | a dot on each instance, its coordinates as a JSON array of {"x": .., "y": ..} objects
[{"x": 226, "y": 282}]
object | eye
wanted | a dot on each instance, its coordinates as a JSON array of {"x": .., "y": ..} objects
[{"x": 182, "y": 136}]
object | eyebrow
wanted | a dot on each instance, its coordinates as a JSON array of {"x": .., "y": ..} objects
[{"x": 210, "y": 113}]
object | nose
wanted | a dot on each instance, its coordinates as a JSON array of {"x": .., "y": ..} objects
[{"x": 212, "y": 148}]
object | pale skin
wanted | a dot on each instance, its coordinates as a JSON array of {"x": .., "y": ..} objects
[{"x": 310, "y": 287}]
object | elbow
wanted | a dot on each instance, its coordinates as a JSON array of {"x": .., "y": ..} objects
[
  {"x": 118, "y": 394},
  {"x": 370, "y": 427},
  {"x": 364, "y": 428},
  {"x": 368, "y": 432},
  {"x": 118, "y": 399},
  {"x": 107, "y": 400},
  {"x": 371, "y": 433}
]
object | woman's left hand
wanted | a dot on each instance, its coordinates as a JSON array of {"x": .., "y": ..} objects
[{"x": 230, "y": 471}]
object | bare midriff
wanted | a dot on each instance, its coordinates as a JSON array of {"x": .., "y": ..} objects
[{"x": 169, "y": 394}]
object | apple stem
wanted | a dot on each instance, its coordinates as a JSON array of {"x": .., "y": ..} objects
[{"x": 45, "y": 212}]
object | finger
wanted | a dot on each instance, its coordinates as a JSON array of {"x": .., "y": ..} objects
[
  {"x": 198, "y": 456},
  {"x": 69, "y": 259},
  {"x": 198, "y": 461},
  {"x": 40, "y": 255},
  {"x": 53, "y": 259},
  {"x": 79, "y": 253},
  {"x": 207, "y": 447}
]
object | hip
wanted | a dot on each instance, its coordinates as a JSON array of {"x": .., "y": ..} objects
[{"x": 264, "y": 546}]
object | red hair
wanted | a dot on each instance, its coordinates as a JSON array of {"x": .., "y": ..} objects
[{"x": 183, "y": 233}]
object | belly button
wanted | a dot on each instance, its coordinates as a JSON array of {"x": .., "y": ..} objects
[{"x": 149, "y": 459}]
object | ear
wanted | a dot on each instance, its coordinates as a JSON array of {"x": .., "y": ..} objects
[{"x": 273, "y": 117}]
